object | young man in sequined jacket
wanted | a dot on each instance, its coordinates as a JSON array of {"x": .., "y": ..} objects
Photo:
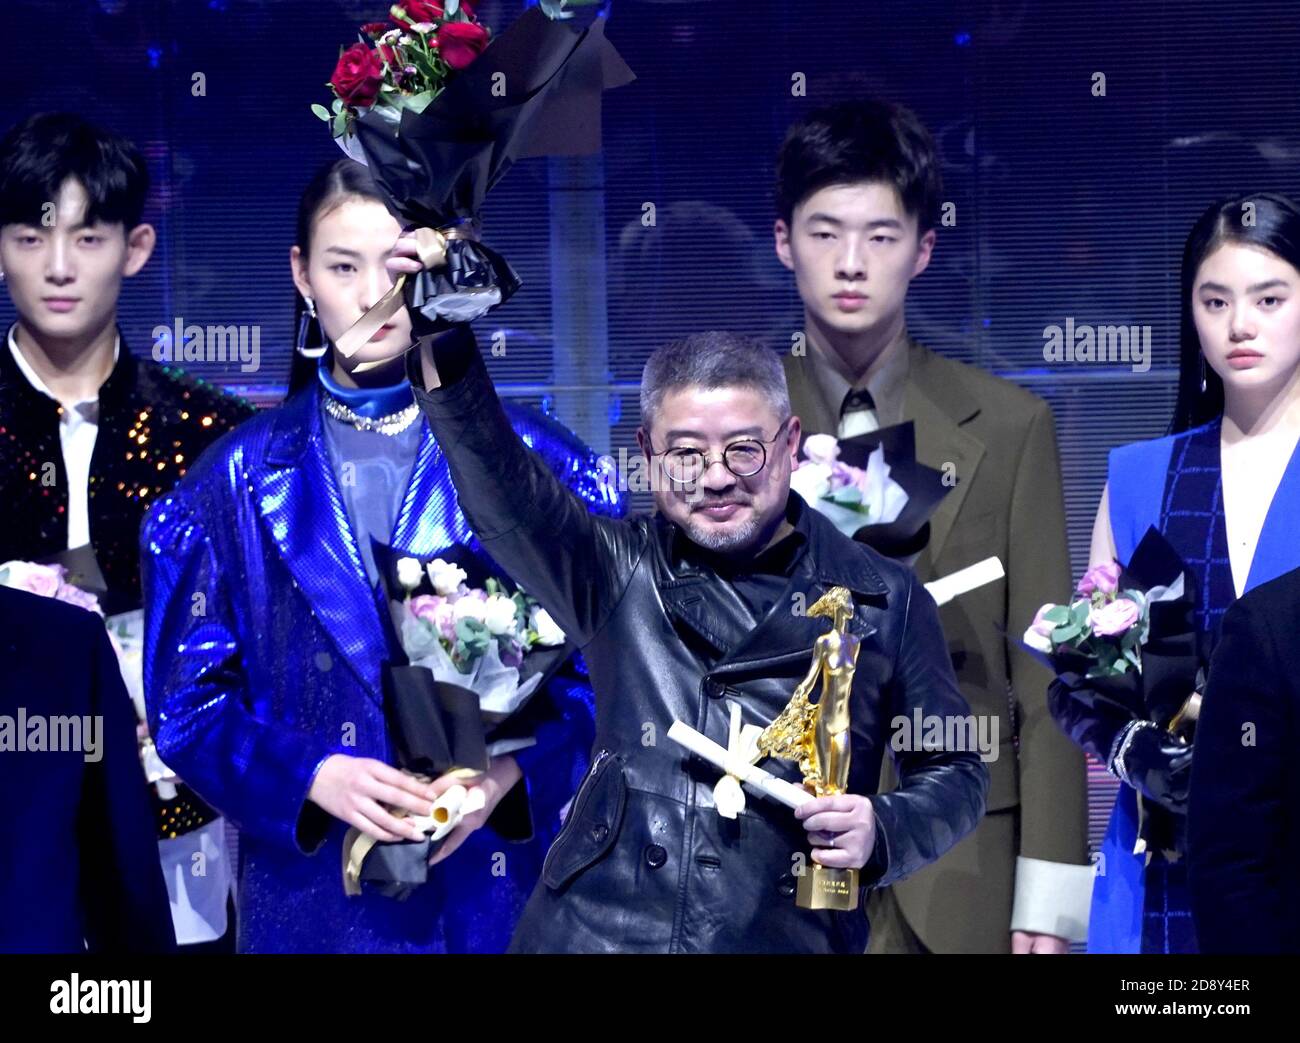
[{"x": 90, "y": 434}]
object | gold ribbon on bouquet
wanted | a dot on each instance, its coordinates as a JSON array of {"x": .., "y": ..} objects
[
  {"x": 431, "y": 249},
  {"x": 357, "y": 845}
]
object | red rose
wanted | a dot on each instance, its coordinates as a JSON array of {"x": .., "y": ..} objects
[
  {"x": 460, "y": 43},
  {"x": 357, "y": 76},
  {"x": 373, "y": 29},
  {"x": 420, "y": 11}
]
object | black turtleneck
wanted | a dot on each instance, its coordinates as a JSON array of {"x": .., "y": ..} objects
[{"x": 759, "y": 579}]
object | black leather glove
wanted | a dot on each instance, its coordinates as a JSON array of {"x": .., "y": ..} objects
[
  {"x": 1094, "y": 713},
  {"x": 1157, "y": 765}
]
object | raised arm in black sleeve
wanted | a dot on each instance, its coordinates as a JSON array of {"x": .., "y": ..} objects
[{"x": 576, "y": 564}]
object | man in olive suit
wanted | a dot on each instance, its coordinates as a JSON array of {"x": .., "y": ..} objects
[{"x": 858, "y": 194}]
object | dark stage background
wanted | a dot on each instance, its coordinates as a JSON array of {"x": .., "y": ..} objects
[{"x": 1068, "y": 205}]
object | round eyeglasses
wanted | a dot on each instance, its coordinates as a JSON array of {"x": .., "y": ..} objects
[{"x": 744, "y": 458}]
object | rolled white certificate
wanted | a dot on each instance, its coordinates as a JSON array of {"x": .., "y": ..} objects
[
  {"x": 755, "y": 777},
  {"x": 964, "y": 580},
  {"x": 449, "y": 809}
]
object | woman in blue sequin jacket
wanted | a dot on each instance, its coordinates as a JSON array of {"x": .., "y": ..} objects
[{"x": 265, "y": 641}]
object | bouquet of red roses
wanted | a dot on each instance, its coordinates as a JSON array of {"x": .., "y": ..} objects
[
  {"x": 439, "y": 109},
  {"x": 403, "y": 63}
]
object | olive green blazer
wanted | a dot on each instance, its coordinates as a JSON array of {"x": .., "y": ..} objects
[{"x": 999, "y": 443}]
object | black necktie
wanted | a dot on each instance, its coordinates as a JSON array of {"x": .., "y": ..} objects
[{"x": 856, "y": 400}]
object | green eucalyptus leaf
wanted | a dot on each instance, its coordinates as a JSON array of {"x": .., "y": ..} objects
[
  {"x": 466, "y": 628},
  {"x": 419, "y": 102},
  {"x": 461, "y": 658},
  {"x": 322, "y": 112},
  {"x": 473, "y": 635}
]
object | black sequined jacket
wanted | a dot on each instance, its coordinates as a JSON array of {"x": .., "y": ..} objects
[{"x": 154, "y": 422}]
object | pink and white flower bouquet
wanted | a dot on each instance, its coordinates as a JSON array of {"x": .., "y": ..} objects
[{"x": 849, "y": 496}]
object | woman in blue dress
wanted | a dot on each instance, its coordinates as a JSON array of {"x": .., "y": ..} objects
[
  {"x": 265, "y": 640},
  {"x": 1224, "y": 489}
]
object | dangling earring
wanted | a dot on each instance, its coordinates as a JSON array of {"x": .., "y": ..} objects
[
  {"x": 1202, "y": 374},
  {"x": 304, "y": 328}
]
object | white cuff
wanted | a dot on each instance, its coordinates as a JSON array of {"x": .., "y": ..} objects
[
  {"x": 1052, "y": 898},
  {"x": 198, "y": 899}
]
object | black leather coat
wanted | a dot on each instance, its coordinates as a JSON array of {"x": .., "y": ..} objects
[{"x": 644, "y": 863}]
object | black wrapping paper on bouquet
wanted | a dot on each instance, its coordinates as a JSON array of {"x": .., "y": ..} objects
[
  {"x": 1172, "y": 654},
  {"x": 1115, "y": 694},
  {"x": 534, "y": 91},
  {"x": 512, "y": 817},
  {"x": 435, "y": 727},
  {"x": 438, "y": 727},
  {"x": 83, "y": 572},
  {"x": 1087, "y": 705},
  {"x": 909, "y": 533}
]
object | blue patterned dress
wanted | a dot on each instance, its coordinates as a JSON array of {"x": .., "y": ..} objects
[{"x": 1175, "y": 483}]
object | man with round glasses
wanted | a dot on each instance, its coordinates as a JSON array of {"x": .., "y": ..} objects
[
  {"x": 744, "y": 457},
  {"x": 685, "y": 465},
  {"x": 682, "y": 614}
]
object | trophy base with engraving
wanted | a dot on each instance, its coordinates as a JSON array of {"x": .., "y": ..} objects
[{"x": 823, "y": 887}]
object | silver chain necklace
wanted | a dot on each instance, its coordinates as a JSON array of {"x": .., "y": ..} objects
[{"x": 393, "y": 424}]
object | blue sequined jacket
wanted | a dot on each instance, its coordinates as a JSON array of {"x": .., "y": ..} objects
[{"x": 263, "y": 656}]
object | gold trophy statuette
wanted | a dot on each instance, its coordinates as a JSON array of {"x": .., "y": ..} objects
[{"x": 816, "y": 736}]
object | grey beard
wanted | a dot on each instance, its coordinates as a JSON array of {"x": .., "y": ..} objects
[{"x": 724, "y": 542}]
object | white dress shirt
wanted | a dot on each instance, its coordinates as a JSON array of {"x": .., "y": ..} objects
[
  {"x": 885, "y": 388},
  {"x": 78, "y": 428}
]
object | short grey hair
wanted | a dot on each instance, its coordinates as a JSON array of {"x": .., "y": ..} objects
[{"x": 713, "y": 359}]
